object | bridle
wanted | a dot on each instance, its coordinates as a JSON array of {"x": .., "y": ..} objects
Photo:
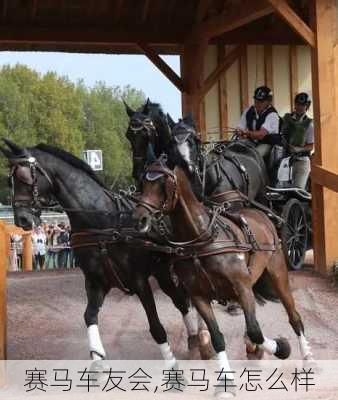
[
  {"x": 25, "y": 169},
  {"x": 154, "y": 172}
]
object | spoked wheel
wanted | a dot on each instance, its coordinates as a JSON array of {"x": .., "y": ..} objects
[{"x": 294, "y": 234}]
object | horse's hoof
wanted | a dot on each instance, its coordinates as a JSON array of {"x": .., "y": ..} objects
[
  {"x": 283, "y": 348},
  {"x": 221, "y": 394},
  {"x": 193, "y": 342},
  {"x": 255, "y": 354}
]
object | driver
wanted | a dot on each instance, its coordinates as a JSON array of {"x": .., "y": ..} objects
[
  {"x": 298, "y": 132},
  {"x": 261, "y": 122}
]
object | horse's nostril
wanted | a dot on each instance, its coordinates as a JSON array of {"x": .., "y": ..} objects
[{"x": 144, "y": 224}]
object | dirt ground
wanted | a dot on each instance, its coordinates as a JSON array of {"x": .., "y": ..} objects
[{"x": 45, "y": 319}]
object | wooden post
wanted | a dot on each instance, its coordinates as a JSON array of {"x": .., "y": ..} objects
[
  {"x": 222, "y": 95},
  {"x": 27, "y": 255},
  {"x": 293, "y": 75},
  {"x": 325, "y": 202},
  {"x": 244, "y": 79},
  {"x": 268, "y": 67},
  {"x": 192, "y": 65},
  {"x": 3, "y": 272}
]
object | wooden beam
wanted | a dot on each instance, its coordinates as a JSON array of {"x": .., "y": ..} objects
[
  {"x": 4, "y": 10},
  {"x": 88, "y": 35},
  {"x": 220, "y": 69},
  {"x": 202, "y": 9},
  {"x": 3, "y": 288},
  {"x": 229, "y": 20},
  {"x": 325, "y": 91},
  {"x": 296, "y": 23},
  {"x": 34, "y": 9},
  {"x": 268, "y": 66},
  {"x": 171, "y": 7},
  {"x": 244, "y": 79},
  {"x": 324, "y": 177},
  {"x": 222, "y": 95},
  {"x": 293, "y": 74},
  {"x": 145, "y": 10},
  {"x": 118, "y": 11},
  {"x": 162, "y": 66}
]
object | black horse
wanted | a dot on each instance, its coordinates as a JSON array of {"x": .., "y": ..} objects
[
  {"x": 42, "y": 173},
  {"x": 230, "y": 166},
  {"x": 149, "y": 135},
  {"x": 235, "y": 166}
]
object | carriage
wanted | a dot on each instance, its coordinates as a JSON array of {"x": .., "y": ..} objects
[{"x": 293, "y": 204}]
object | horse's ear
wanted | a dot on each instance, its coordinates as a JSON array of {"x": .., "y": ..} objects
[
  {"x": 16, "y": 150},
  {"x": 189, "y": 119},
  {"x": 145, "y": 109},
  {"x": 171, "y": 122},
  {"x": 8, "y": 154},
  {"x": 129, "y": 110}
]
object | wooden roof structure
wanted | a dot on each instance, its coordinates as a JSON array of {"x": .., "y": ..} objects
[
  {"x": 187, "y": 27},
  {"x": 118, "y": 26}
]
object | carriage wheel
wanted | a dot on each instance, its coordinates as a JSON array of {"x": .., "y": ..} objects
[{"x": 294, "y": 234}]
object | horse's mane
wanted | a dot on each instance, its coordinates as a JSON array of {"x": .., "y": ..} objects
[{"x": 70, "y": 159}]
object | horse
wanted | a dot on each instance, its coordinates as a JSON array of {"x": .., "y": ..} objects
[
  {"x": 44, "y": 173},
  {"x": 148, "y": 133},
  {"x": 216, "y": 259},
  {"x": 235, "y": 165}
]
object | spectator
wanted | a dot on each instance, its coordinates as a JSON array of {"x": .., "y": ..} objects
[{"x": 39, "y": 240}]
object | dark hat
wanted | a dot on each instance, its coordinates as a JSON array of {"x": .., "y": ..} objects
[
  {"x": 303, "y": 98},
  {"x": 263, "y": 93}
]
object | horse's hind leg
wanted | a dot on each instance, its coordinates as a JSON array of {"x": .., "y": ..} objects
[
  {"x": 145, "y": 294},
  {"x": 277, "y": 347},
  {"x": 181, "y": 301},
  {"x": 95, "y": 296},
  {"x": 278, "y": 273}
]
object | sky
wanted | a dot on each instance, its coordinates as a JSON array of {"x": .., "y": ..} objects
[{"x": 134, "y": 70}]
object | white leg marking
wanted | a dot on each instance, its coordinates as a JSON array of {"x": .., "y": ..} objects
[
  {"x": 305, "y": 348},
  {"x": 95, "y": 344},
  {"x": 269, "y": 345},
  {"x": 223, "y": 362},
  {"x": 191, "y": 322},
  {"x": 167, "y": 354}
]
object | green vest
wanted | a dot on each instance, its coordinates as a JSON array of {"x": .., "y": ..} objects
[{"x": 294, "y": 130}]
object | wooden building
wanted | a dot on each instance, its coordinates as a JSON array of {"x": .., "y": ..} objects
[{"x": 226, "y": 48}]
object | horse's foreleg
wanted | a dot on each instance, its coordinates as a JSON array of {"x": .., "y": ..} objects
[
  {"x": 181, "y": 301},
  {"x": 205, "y": 310},
  {"x": 145, "y": 294},
  {"x": 279, "y": 276},
  {"x": 95, "y": 296}
]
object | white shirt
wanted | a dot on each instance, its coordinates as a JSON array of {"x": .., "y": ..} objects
[
  {"x": 39, "y": 243},
  {"x": 271, "y": 123}
]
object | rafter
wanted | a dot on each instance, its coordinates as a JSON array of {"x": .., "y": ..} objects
[
  {"x": 171, "y": 6},
  {"x": 34, "y": 9},
  {"x": 87, "y": 35},
  {"x": 4, "y": 10},
  {"x": 282, "y": 8},
  {"x": 118, "y": 11},
  {"x": 202, "y": 9},
  {"x": 229, "y": 20},
  {"x": 145, "y": 10},
  {"x": 162, "y": 66},
  {"x": 225, "y": 64}
]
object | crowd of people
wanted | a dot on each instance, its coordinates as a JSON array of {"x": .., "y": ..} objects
[{"x": 50, "y": 248}]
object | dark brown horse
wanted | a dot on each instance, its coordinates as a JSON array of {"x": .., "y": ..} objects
[{"x": 216, "y": 259}]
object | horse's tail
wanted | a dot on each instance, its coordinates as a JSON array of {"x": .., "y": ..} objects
[{"x": 263, "y": 290}]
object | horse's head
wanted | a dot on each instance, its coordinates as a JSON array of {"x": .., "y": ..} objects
[
  {"x": 30, "y": 184},
  {"x": 185, "y": 150},
  {"x": 148, "y": 133},
  {"x": 159, "y": 194}
]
